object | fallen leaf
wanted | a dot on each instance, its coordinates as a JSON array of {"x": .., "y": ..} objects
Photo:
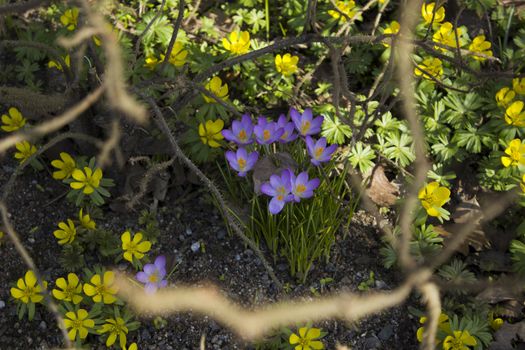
[
  {"x": 270, "y": 165},
  {"x": 380, "y": 190},
  {"x": 466, "y": 211}
]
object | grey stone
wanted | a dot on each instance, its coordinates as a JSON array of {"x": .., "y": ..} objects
[
  {"x": 2, "y": 304},
  {"x": 380, "y": 284},
  {"x": 221, "y": 234},
  {"x": 195, "y": 246},
  {"x": 42, "y": 325},
  {"x": 386, "y": 332},
  {"x": 282, "y": 267},
  {"x": 145, "y": 334},
  {"x": 372, "y": 343},
  {"x": 189, "y": 232}
]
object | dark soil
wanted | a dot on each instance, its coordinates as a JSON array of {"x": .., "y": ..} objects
[{"x": 224, "y": 261}]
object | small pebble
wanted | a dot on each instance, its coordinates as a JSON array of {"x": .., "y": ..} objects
[
  {"x": 2, "y": 304},
  {"x": 42, "y": 325},
  {"x": 380, "y": 284},
  {"x": 237, "y": 257},
  {"x": 195, "y": 247},
  {"x": 221, "y": 234},
  {"x": 188, "y": 231},
  {"x": 31, "y": 240}
]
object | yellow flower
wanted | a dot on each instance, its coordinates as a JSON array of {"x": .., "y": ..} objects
[
  {"x": 237, "y": 43},
  {"x": 480, "y": 45},
  {"x": 514, "y": 115},
  {"x": 69, "y": 18},
  {"x": 57, "y": 64},
  {"x": 446, "y": 35},
  {"x": 86, "y": 221},
  {"x": 66, "y": 166},
  {"x": 67, "y": 233},
  {"x": 101, "y": 289},
  {"x": 460, "y": 341},
  {"x": 505, "y": 96},
  {"x": 87, "y": 179},
  {"x": 25, "y": 150},
  {"x": 496, "y": 323},
  {"x": 134, "y": 248},
  {"x": 519, "y": 85},
  {"x": 215, "y": 86},
  {"x": 78, "y": 322},
  {"x": 151, "y": 62},
  {"x": 210, "y": 133},
  {"x": 177, "y": 56},
  {"x": 287, "y": 64},
  {"x": 522, "y": 183},
  {"x": 516, "y": 154},
  {"x": 433, "y": 197},
  {"x": 392, "y": 28},
  {"x": 133, "y": 346},
  {"x": 432, "y": 67},
  {"x": 443, "y": 324},
  {"x": 27, "y": 289},
  {"x": 306, "y": 339},
  {"x": 348, "y": 8},
  {"x": 71, "y": 290},
  {"x": 13, "y": 121},
  {"x": 116, "y": 328},
  {"x": 427, "y": 11}
]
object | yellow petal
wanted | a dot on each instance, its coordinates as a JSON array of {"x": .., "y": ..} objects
[
  {"x": 294, "y": 339},
  {"x": 143, "y": 247},
  {"x": 16, "y": 293},
  {"x": 125, "y": 238},
  {"x": 61, "y": 283},
  {"x": 82, "y": 314},
  {"x": 30, "y": 278}
]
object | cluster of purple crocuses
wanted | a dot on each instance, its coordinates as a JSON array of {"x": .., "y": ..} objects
[
  {"x": 285, "y": 187},
  {"x": 153, "y": 275}
]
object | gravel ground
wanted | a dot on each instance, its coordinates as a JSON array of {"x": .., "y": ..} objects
[{"x": 186, "y": 228}]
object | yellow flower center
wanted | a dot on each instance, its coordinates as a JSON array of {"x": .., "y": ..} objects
[
  {"x": 300, "y": 188},
  {"x": 266, "y": 135},
  {"x": 242, "y": 135},
  {"x": 153, "y": 278},
  {"x": 305, "y": 126},
  {"x": 515, "y": 154},
  {"x": 319, "y": 151},
  {"x": 77, "y": 324},
  {"x": 242, "y": 163}
]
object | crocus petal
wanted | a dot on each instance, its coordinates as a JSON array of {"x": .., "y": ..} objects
[
  {"x": 142, "y": 277},
  {"x": 275, "y": 205},
  {"x": 160, "y": 262},
  {"x": 268, "y": 190},
  {"x": 149, "y": 269}
]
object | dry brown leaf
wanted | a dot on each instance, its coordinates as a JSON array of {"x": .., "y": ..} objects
[
  {"x": 380, "y": 190},
  {"x": 270, "y": 165},
  {"x": 464, "y": 212},
  {"x": 496, "y": 294}
]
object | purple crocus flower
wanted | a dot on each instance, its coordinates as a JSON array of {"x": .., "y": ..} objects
[
  {"x": 241, "y": 160},
  {"x": 267, "y": 132},
  {"x": 304, "y": 123},
  {"x": 279, "y": 189},
  {"x": 241, "y": 131},
  {"x": 302, "y": 187},
  {"x": 318, "y": 150},
  {"x": 288, "y": 129},
  {"x": 153, "y": 275}
]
